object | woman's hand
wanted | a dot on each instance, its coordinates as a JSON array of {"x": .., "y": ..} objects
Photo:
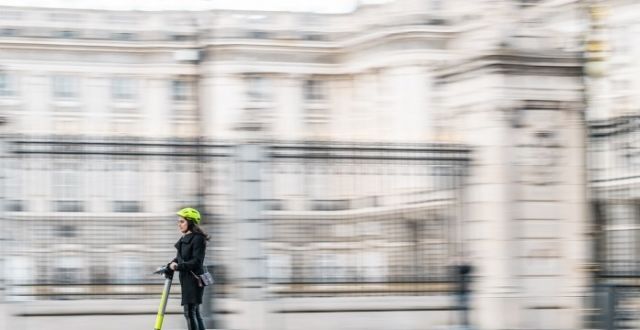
[{"x": 173, "y": 266}]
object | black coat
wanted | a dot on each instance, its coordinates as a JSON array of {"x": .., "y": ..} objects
[{"x": 190, "y": 258}]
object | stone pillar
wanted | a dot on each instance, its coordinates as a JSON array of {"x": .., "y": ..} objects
[
  {"x": 550, "y": 218},
  {"x": 341, "y": 106},
  {"x": 577, "y": 237},
  {"x": 525, "y": 201},
  {"x": 37, "y": 106},
  {"x": 222, "y": 109},
  {"x": 97, "y": 110},
  {"x": 251, "y": 227},
  {"x": 490, "y": 238},
  {"x": 206, "y": 104}
]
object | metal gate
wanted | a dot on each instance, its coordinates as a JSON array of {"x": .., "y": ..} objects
[{"x": 614, "y": 165}]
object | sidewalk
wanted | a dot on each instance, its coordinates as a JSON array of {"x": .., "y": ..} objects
[{"x": 97, "y": 315}]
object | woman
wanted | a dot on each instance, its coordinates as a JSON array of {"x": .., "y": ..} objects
[{"x": 189, "y": 262}]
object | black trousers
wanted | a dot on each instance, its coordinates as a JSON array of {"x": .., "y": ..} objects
[{"x": 194, "y": 319}]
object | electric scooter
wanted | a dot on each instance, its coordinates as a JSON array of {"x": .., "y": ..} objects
[{"x": 168, "y": 278}]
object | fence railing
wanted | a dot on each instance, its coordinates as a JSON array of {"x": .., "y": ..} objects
[
  {"x": 350, "y": 219},
  {"x": 614, "y": 167}
]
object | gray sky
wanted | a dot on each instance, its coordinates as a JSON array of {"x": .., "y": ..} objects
[{"x": 327, "y": 6}]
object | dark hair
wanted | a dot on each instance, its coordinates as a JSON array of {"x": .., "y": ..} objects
[{"x": 197, "y": 229}]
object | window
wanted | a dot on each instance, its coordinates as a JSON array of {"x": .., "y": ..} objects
[
  {"x": 181, "y": 37},
  {"x": 123, "y": 89},
  {"x": 184, "y": 185},
  {"x": 257, "y": 88},
  {"x": 19, "y": 270},
  {"x": 373, "y": 266},
  {"x": 123, "y": 36},
  {"x": 14, "y": 205},
  {"x": 7, "y": 84},
  {"x": 69, "y": 270},
  {"x": 8, "y": 32},
  {"x": 314, "y": 90},
  {"x": 330, "y": 204},
  {"x": 65, "y": 231},
  {"x": 126, "y": 206},
  {"x": 279, "y": 268},
  {"x": 126, "y": 187},
  {"x": 313, "y": 37},
  {"x": 66, "y": 188},
  {"x": 258, "y": 35},
  {"x": 65, "y": 87},
  {"x": 15, "y": 179},
  {"x": 130, "y": 266},
  {"x": 68, "y": 206},
  {"x": 182, "y": 90},
  {"x": 330, "y": 267},
  {"x": 65, "y": 34}
]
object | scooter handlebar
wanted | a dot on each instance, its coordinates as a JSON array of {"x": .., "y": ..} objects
[{"x": 163, "y": 270}]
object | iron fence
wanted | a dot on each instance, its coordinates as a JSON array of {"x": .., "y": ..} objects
[
  {"x": 91, "y": 218},
  {"x": 614, "y": 167},
  {"x": 364, "y": 219},
  {"x": 616, "y": 307}
]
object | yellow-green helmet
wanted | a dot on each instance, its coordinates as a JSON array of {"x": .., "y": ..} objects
[{"x": 190, "y": 214}]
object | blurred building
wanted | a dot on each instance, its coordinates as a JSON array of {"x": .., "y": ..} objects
[
  {"x": 345, "y": 163},
  {"x": 612, "y": 119},
  {"x": 310, "y": 186}
]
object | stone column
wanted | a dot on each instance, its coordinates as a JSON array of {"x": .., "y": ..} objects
[
  {"x": 525, "y": 200},
  {"x": 223, "y": 107},
  {"x": 97, "y": 109},
  {"x": 488, "y": 227},
  {"x": 206, "y": 104},
  {"x": 250, "y": 228},
  {"x": 38, "y": 104}
]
